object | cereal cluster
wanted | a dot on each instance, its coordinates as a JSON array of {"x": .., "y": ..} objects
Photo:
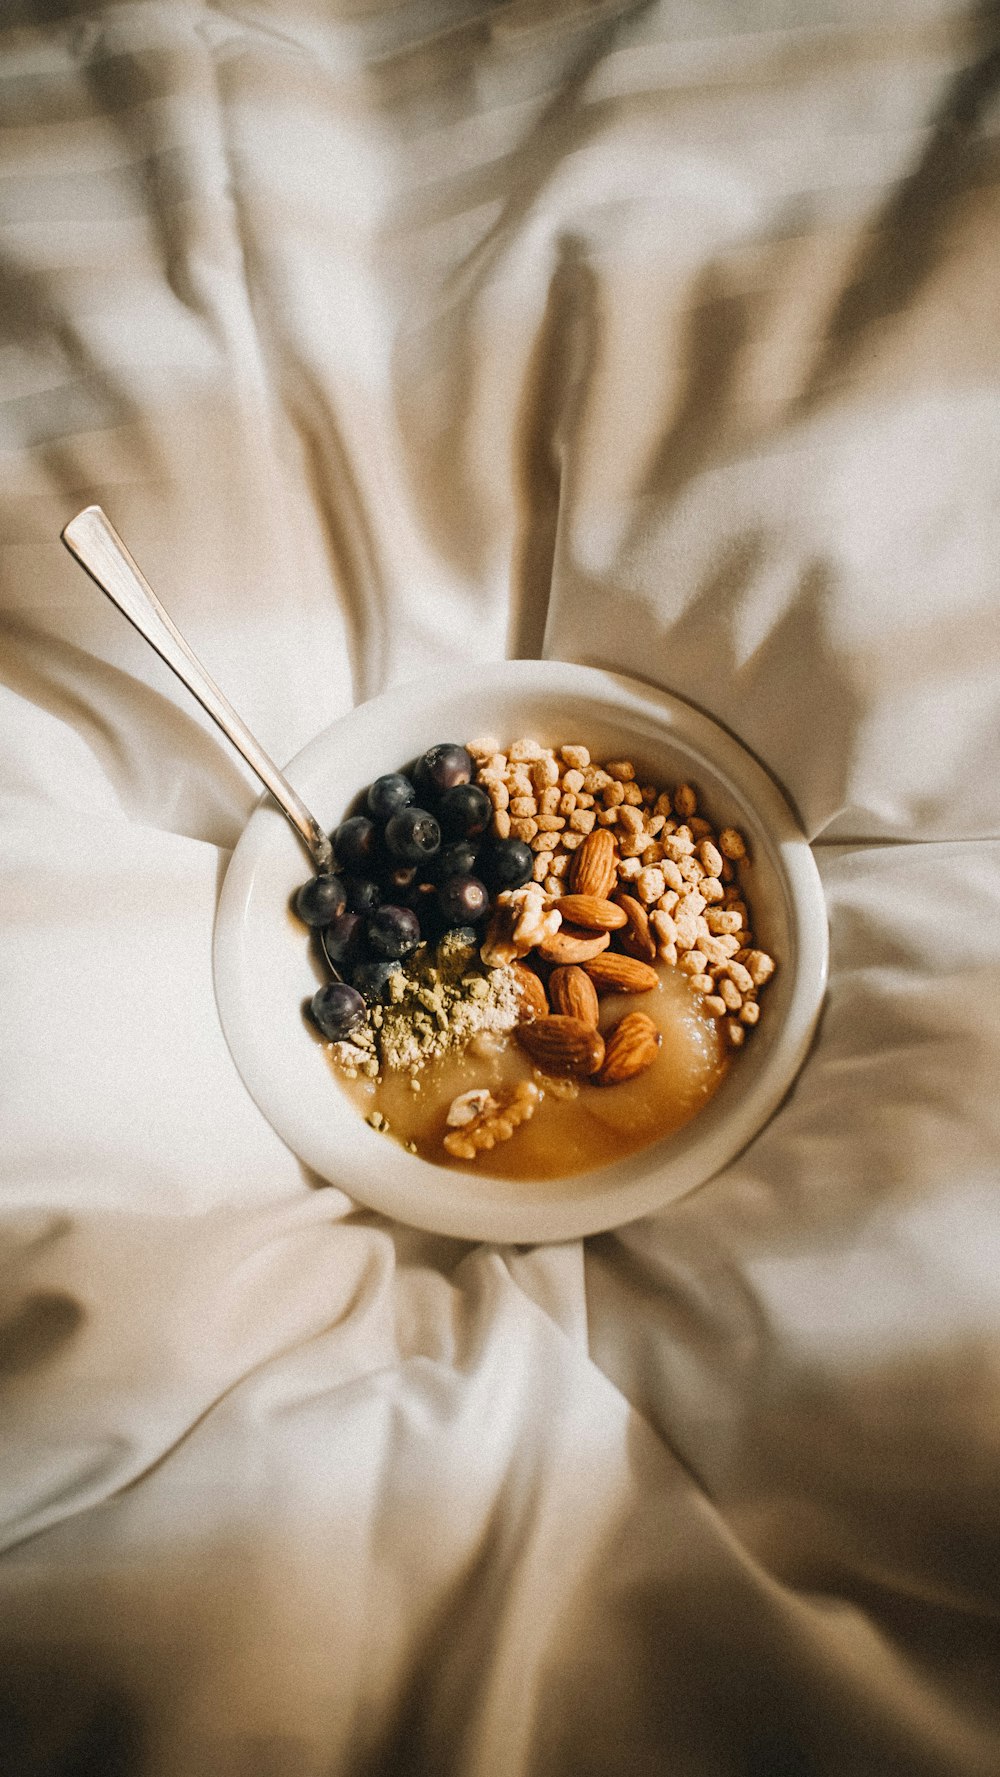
[{"x": 678, "y": 875}]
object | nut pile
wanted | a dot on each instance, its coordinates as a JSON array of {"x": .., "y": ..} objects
[
  {"x": 479, "y": 1120},
  {"x": 667, "y": 883}
]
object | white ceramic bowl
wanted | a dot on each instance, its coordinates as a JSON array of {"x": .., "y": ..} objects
[{"x": 264, "y": 970}]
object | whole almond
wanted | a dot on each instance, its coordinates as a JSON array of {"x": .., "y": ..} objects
[
  {"x": 569, "y": 945},
  {"x": 562, "y": 1045},
  {"x": 615, "y": 973},
  {"x": 594, "y": 914},
  {"x": 533, "y": 1001},
  {"x": 573, "y": 994},
  {"x": 594, "y": 870},
  {"x": 637, "y": 938},
  {"x": 630, "y": 1048}
]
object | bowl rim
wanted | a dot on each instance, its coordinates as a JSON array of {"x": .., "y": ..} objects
[{"x": 449, "y": 1200}]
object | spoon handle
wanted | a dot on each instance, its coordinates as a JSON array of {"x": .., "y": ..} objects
[{"x": 95, "y": 543}]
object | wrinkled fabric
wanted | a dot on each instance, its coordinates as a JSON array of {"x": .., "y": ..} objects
[{"x": 654, "y": 336}]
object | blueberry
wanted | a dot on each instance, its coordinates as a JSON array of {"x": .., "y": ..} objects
[
  {"x": 320, "y": 900},
  {"x": 337, "y": 1009},
  {"x": 506, "y": 864},
  {"x": 400, "y": 886},
  {"x": 393, "y": 932},
  {"x": 423, "y": 900},
  {"x": 370, "y": 978},
  {"x": 464, "y": 811},
  {"x": 356, "y": 844},
  {"x": 462, "y": 900},
  {"x": 401, "y": 877},
  {"x": 412, "y": 836},
  {"x": 456, "y": 859},
  {"x": 363, "y": 895},
  {"x": 341, "y": 941},
  {"x": 389, "y": 794},
  {"x": 441, "y": 767}
]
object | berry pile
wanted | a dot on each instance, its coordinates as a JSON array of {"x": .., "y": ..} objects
[{"x": 417, "y": 863}]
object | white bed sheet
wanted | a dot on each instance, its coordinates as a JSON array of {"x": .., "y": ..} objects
[{"x": 654, "y": 336}]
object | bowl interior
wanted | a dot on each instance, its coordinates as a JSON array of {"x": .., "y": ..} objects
[{"x": 265, "y": 971}]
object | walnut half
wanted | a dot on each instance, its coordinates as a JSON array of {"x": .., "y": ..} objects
[{"x": 496, "y": 1123}]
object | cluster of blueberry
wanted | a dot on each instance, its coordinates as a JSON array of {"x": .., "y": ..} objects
[{"x": 418, "y": 863}]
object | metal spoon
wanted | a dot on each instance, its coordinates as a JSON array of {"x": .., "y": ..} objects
[{"x": 93, "y": 540}]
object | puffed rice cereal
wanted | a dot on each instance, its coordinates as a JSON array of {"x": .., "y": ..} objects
[{"x": 670, "y": 858}]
